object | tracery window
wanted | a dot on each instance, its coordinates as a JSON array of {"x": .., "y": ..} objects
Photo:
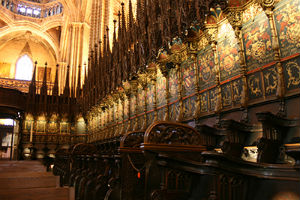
[
  {"x": 22, "y": 7},
  {"x": 29, "y": 11},
  {"x": 24, "y": 68}
]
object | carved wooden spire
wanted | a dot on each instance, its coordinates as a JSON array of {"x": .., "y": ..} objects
[
  {"x": 130, "y": 24},
  {"x": 85, "y": 72},
  {"x": 123, "y": 23},
  {"x": 73, "y": 87},
  {"x": 108, "y": 51},
  {"x": 100, "y": 73},
  {"x": 138, "y": 11},
  {"x": 104, "y": 65},
  {"x": 67, "y": 85},
  {"x": 31, "y": 97},
  {"x": 32, "y": 86},
  {"x": 44, "y": 85},
  {"x": 114, "y": 35},
  {"x": 140, "y": 18},
  {"x": 85, "y": 90},
  {"x": 88, "y": 82},
  {"x": 78, "y": 90},
  {"x": 104, "y": 45},
  {"x": 108, "y": 60},
  {"x": 96, "y": 72},
  {"x": 43, "y": 93},
  {"x": 120, "y": 51},
  {"x": 107, "y": 33},
  {"x": 55, "y": 87},
  {"x": 114, "y": 55},
  {"x": 120, "y": 27},
  {"x": 100, "y": 51},
  {"x": 90, "y": 72},
  {"x": 95, "y": 65}
]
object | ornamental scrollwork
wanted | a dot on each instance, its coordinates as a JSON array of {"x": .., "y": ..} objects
[
  {"x": 235, "y": 17},
  {"x": 172, "y": 134}
]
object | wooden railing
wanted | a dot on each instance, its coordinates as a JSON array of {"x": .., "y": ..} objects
[
  {"x": 22, "y": 85},
  {"x": 59, "y": 139}
]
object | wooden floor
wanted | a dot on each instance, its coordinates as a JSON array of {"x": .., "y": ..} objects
[{"x": 28, "y": 180}]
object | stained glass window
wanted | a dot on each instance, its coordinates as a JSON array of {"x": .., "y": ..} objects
[{"x": 24, "y": 68}]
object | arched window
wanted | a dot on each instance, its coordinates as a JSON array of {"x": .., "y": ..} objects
[{"x": 24, "y": 68}]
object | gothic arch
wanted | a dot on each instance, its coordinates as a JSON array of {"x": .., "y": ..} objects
[{"x": 9, "y": 32}]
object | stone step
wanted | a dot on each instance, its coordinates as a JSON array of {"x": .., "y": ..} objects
[
  {"x": 35, "y": 194},
  {"x": 14, "y": 166},
  {"x": 27, "y": 180}
]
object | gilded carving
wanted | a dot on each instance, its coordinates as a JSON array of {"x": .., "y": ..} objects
[
  {"x": 255, "y": 86},
  {"x": 163, "y": 56},
  {"x": 286, "y": 16},
  {"x": 211, "y": 34},
  {"x": 203, "y": 42},
  {"x": 218, "y": 100},
  {"x": 151, "y": 72},
  {"x": 244, "y": 94},
  {"x": 271, "y": 81},
  {"x": 293, "y": 74},
  {"x": 20, "y": 85},
  {"x": 212, "y": 99},
  {"x": 226, "y": 95},
  {"x": 235, "y": 16},
  {"x": 179, "y": 50},
  {"x": 237, "y": 90},
  {"x": 251, "y": 12}
]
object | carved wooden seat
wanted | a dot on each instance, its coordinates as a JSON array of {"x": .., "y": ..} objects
[
  {"x": 61, "y": 166},
  {"x": 164, "y": 143},
  {"x": 98, "y": 166},
  {"x": 212, "y": 136},
  {"x": 133, "y": 165},
  {"x": 237, "y": 135},
  {"x": 275, "y": 131},
  {"x": 237, "y": 179},
  {"x": 216, "y": 175},
  {"x": 293, "y": 150},
  {"x": 81, "y": 158}
]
